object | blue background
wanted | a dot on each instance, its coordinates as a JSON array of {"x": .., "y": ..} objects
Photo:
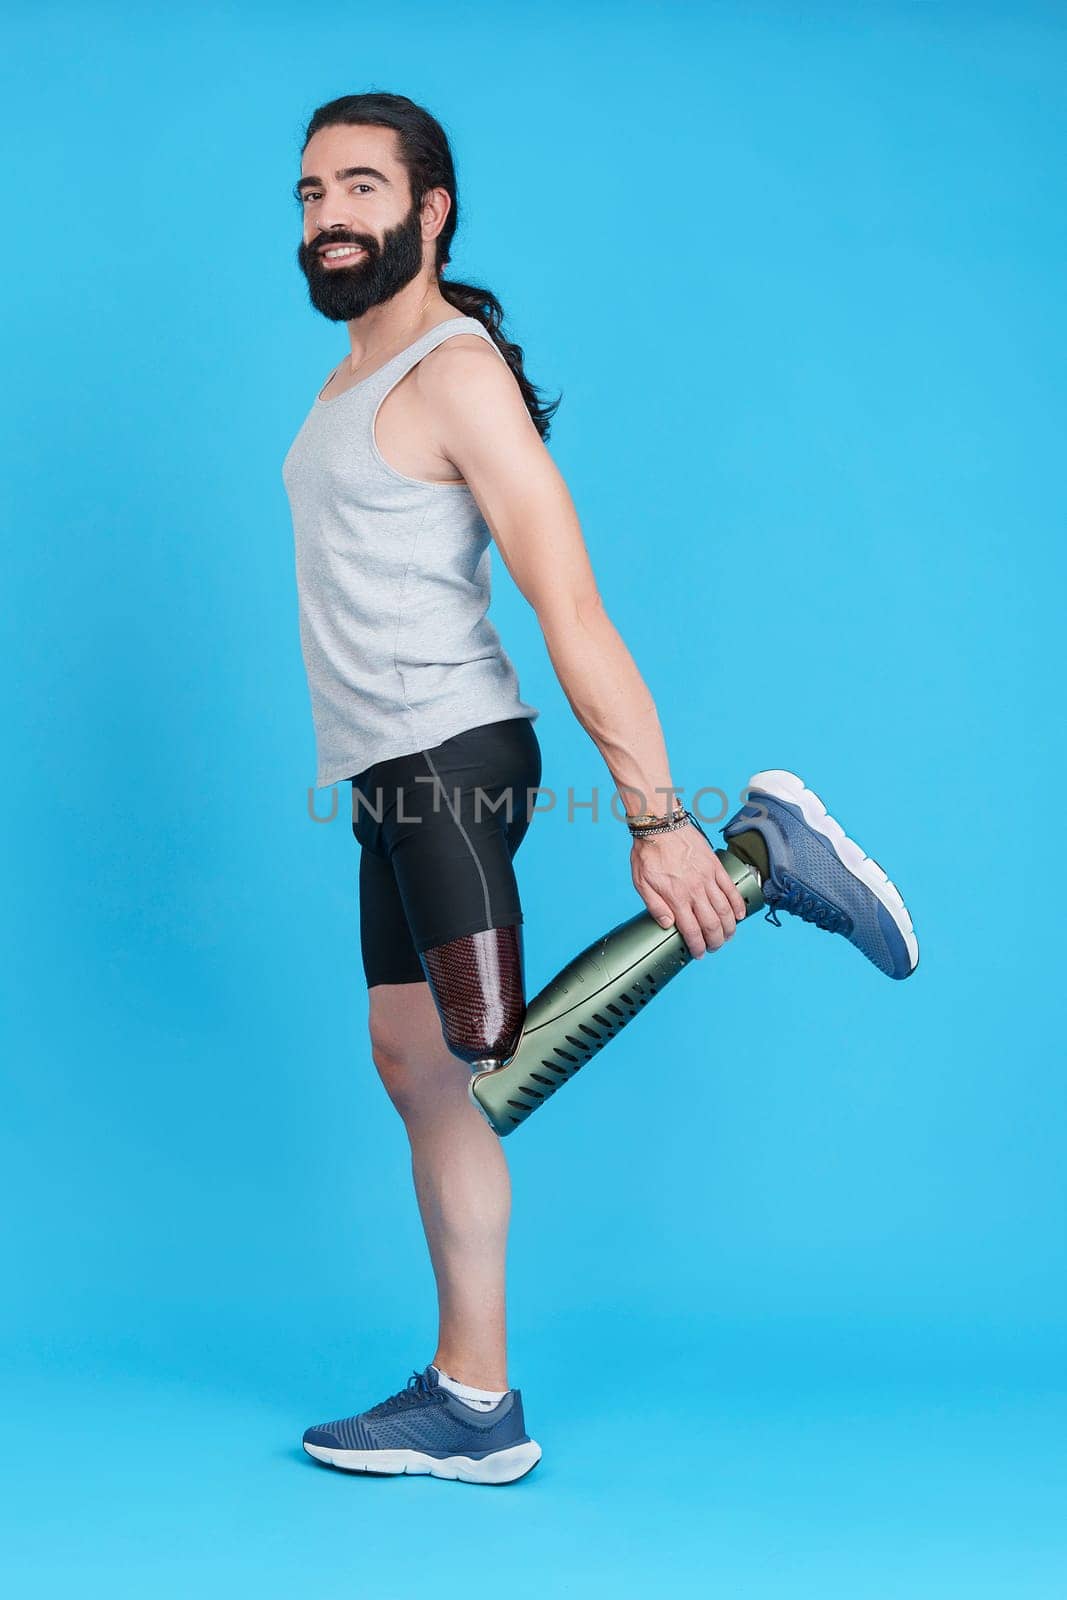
[{"x": 798, "y": 271}]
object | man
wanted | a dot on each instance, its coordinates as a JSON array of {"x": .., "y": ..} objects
[{"x": 424, "y": 445}]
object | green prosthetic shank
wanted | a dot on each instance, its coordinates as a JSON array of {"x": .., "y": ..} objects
[{"x": 585, "y": 1006}]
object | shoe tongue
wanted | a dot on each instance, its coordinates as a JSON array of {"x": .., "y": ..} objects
[{"x": 432, "y": 1377}]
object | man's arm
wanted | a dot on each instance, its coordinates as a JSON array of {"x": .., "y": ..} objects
[
  {"x": 480, "y": 423},
  {"x": 482, "y": 426}
]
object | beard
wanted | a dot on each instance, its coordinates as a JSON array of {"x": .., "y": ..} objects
[{"x": 346, "y": 293}]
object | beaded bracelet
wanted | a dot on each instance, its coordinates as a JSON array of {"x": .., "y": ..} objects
[
  {"x": 678, "y": 820},
  {"x": 650, "y": 823}
]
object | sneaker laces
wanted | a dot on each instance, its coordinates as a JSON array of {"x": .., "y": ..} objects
[
  {"x": 414, "y": 1392},
  {"x": 800, "y": 901}
]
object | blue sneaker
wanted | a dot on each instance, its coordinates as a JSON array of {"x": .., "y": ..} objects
[
  {"x": 427, "y": 1429},
  {"x": 809, "y": 867}
]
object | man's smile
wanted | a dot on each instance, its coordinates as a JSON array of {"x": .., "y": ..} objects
[{"x": 340, "y": 254}]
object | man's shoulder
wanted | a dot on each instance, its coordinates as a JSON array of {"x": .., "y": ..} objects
[
  {"x": 464, "y": 369},
  {"x": 463, "y": 352}
]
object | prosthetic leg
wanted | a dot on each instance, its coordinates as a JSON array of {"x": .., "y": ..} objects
[{"x": 520, "y": 1055}]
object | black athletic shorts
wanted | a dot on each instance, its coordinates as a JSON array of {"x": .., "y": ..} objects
[{"x": 437, "y": 831}]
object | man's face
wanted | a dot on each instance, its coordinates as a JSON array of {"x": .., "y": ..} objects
[{"x": 370, "y": 208}]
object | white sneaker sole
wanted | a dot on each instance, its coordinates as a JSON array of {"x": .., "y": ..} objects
[
  {"x": 788, "y": 787},
  {"x": 503, "y": 1466}
]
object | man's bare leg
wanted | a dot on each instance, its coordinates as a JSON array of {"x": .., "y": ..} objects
[{"x": 461, "y": 1181}]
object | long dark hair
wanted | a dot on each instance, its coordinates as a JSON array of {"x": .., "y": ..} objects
[{"x": 427, "y": 159}]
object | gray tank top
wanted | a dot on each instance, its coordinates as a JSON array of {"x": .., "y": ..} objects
[{"x": 393, "y": 585}]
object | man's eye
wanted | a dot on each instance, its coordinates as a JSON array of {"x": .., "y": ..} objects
[{"x": 316, "y": 194}]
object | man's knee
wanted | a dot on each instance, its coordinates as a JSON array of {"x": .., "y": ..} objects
[
  {"x": 397, "y": 1064},
  {"x": 408, "y": 1053}
]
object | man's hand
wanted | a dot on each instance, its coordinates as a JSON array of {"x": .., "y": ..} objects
[{"x": 682, "y": 881}]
